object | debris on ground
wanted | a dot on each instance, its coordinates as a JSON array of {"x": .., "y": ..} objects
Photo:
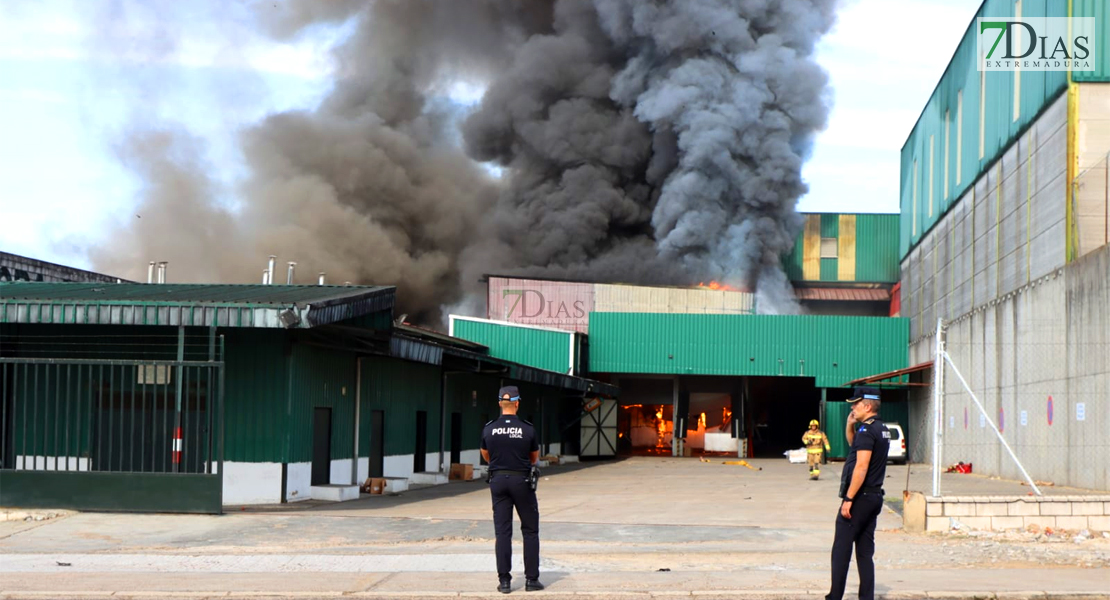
[
  {"x": 1041, "y": 483},
  {"x": 960, "y": 467}
]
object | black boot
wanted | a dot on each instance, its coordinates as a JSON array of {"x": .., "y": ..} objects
[
  {"x": 505, "y": 586},
  {"x": 533, "y": 585}
]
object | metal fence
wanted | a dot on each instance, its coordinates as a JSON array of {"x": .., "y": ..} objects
[
  {"x": 1023, "y": 403},
  {"x": 132, "y": 430},
  {"x": 109, "y": 415}
]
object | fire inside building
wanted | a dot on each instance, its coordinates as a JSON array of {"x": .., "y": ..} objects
[{"x": 699, "y": 369}]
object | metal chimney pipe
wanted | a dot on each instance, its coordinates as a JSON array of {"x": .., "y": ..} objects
[
  {"x": 289, "y": 274},
  {"x": 162, "y": 271},
  {"x": 270, "y": 270},
  {"x": 265, "y": 276},
  {"x": 150, "y": 272},
  {"x": 321, "y": 280}
]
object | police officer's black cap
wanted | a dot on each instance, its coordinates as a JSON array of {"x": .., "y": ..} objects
[
  {"x": 864, "y": 393},
  {"x": 511, "y": 391}
]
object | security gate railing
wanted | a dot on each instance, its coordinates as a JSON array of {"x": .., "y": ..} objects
[{"x": 141, "y": 435}]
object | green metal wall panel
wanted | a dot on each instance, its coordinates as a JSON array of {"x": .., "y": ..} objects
[
  {"x": 475, "y": 397},
  {"x": 877, "y": 257},
  {"x": 836, "y": 416},
  {"x": 399, "y": 388},
  {"x": 1100, "y": 10},
  {"x": 792, "y": 263},
  {"x": 540, "y": 348},
  {"x": 255, "y": 395},
  {"x": 1000, "y": 129},
  {"x": 835, "y": 350},
  {"x": 830, "y": 225},
  {"x": 320, "y": 378}
]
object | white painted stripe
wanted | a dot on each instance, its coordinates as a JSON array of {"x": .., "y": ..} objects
[{"x": 253, "y": 563}]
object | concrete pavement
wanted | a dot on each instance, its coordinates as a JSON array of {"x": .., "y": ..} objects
[{"x": 637, "y": 528}]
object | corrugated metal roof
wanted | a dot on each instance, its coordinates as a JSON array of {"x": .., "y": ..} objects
[
  {"x": 830, "y": 349},
  {"x": 426, "y": 351},
  {"x": 847, "y": 294},
  {"x": 192, "y": 305}
]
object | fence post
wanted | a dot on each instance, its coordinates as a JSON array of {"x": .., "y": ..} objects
[{"x": 938, "y": 410}]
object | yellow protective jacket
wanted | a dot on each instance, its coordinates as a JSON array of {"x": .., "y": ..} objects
[{"x": 815, "y": 441}]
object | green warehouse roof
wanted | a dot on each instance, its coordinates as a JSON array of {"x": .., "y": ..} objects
[{"x": 191, "y": 305}]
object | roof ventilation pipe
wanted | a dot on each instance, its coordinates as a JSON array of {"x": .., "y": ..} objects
[
  {"x": 150, "y": 272},
  {"x": 321, "y": 280},
  {"x": 162, "y": 271},
  {"x": 270, "y": 270},
  {"x": 289, "y": 273}
]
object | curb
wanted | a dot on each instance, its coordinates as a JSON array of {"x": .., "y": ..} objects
[{"x": 783, "y": 594}]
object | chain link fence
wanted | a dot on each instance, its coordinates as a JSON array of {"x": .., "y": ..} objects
[{"x": 1022, "y": 401}]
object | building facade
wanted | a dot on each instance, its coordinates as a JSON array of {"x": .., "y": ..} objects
[{"x": 1004, "y": 232}]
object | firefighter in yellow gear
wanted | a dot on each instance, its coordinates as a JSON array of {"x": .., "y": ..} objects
[{"x": 816, "y": 442}]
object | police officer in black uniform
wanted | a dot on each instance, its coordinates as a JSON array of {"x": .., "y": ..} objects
[
  {"x": 510, "y": 446},
  {"x": 861, "y": 487}
]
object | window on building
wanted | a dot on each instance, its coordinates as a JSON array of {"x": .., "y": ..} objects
[
  {"x": 932, "y": 179},
  {"x": 914, "y": 192},
  {"x": 982, "y": 114},
  {"x": 947, "y": 147},
  {"x": 1017, "y": 69},
  {"x": 959, "y": 137},
  {"x": 828, "y": 247}
]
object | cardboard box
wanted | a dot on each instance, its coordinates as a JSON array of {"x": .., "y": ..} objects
[
  {"x": 365, "y": 487},
  {"x": 461, "y": 472},
  {"x": 377, "y": 485}
]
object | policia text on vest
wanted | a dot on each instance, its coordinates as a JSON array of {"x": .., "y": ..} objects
[
  {"x": 861, "y": 488},
  {"x": 510, "y": 446}
]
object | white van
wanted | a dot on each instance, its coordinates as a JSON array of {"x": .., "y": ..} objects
[{"x": 898, "y": 453}]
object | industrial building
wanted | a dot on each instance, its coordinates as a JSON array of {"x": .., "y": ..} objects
[
  {"x": 702, "y": 361},
  {"x": 1005, "y": 221},
  {"x": 188, "y": 397}
]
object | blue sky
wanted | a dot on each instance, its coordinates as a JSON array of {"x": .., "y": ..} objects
[{"x": 73, "y": 82}]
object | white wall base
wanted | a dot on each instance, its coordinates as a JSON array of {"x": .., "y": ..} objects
[
  {"x": 470, "y": 457},
  {"x": 566, "y": 459},
  {"x": 480, "y": 471},
  {"x": 298, "y": 482},
  {"x": 428, "y": 478},
  {"x": 363, "y": 469},
  {"x": 397, "y": 466},
  {"x": 252, "y": 483},
  {"x": 340, "y": 472},
  {"x": 335, "y": 493},
  {"x": 51, "y": 463},
  {"x": 554, "y": 449}
]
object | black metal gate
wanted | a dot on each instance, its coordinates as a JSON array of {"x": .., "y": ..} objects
[{"x": 94, "y": 434}]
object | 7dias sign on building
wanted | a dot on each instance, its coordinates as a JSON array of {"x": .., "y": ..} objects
[{"x": 1036, "y": 44}]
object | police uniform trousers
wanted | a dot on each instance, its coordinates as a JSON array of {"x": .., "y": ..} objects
[
  {"x": 860, "y": 532},
  {"x": 508, "y": 491}
]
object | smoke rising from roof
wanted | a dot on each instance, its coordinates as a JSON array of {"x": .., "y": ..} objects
[{"x": 640, "y": 141}]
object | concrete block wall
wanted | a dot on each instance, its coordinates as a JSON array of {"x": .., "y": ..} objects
[{"x": 1002, "y": 513}]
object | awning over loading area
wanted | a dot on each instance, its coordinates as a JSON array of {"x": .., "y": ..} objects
[{"x": 899, "y": 378}]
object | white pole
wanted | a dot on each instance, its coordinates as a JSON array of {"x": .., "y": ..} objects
[
  {"x": 983, "y": 411},
  {"x": 938, "y": 412}
]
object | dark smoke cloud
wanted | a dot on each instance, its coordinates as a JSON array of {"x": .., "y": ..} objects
[{"x": 640, "y": 141}]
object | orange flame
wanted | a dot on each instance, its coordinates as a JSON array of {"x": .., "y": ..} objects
[{"x": 716, "y": 286}]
